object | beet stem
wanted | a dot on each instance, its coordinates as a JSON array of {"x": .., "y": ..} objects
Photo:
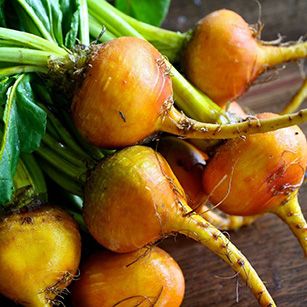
[
  {"x": 297, "y": 99},
  {"x": 64, "y": 181},
  {"x": 55, "y": 158},
  {"x": 177, "y": 123},
  {"x": 292, "y": 215},
  {"x": 111, "y": 19},
  {"x": 197, "y": 228},
  {"x": 15, "y": 70},
  {"x": 275, "y": 55},
  {"x": 84, "y": 23},
  {"x": 95, "y": 30},
  {"x": 63, "y": 151},
  {"x": 195, "y": 103},
  {"x": 169, "y": 43},
  {"x": 31, "y": 40},
  {"x": 29, "y": 184},
  {"x": 227, "y": 222},
  {"x": 24, "y": 56}
]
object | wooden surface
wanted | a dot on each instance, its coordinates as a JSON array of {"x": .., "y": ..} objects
[
  {"x": 287, "y": 17},
  {"x": 268, "y": 244}
]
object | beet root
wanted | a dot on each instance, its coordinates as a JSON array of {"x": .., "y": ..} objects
[
  {"x": 39, "y": 255},
  {"x": 224, "y": 56},
  {"x": 146, "y": 277},
  {"x": 188, "y": 163},
  {"x": 132, "y": 199},
  {"x": 260, "y": 173}
]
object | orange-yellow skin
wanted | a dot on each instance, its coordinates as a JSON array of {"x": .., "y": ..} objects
[
  {"x": 141, "y": 278},
  {"x": 187, "y": 163},
  {"x": 224, "y": 56},
  {"x": 262, "y": 171},
  {"x": 132, "y": 199},
  {"x": 128, "y": 202},
  {"x": 122, "y": 95},
  {"x": 39, "y": 253},
  {"x": 221, "y": 57}
]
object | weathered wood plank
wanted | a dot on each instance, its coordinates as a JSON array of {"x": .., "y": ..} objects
[{"x": 288, "y": 17}]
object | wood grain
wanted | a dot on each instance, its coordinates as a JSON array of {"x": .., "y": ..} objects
[{"x": 287, "y": 17}]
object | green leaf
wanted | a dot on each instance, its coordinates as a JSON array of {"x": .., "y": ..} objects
[
  {"x": 9, "y": 150},
  {"x": 71, "y": 11},
  {"x": 56, "y": 17},
  {"x": 49, "y": 15},
  {"x": 32, "y": 119},
  {"x": 5, "y": 83},
  {"x": 25, "y": 23},
  {"x": 23, "y": 126},
  {"x": 149, "y": 11},
  {"x": 2, "y": 14},
  {"x": 56, "y": 20}
]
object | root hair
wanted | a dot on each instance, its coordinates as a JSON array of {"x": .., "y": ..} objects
[
  {"x": 152, "y": 300},
  {"x": 54, "y": 293},
  {"x": 147, "y": 251},
  {"x": 258, "y": 26},
  {"x": 164, "y": 66}
]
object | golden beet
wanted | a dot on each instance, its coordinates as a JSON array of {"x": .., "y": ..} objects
[
  {"x": 188, "y": 163},
  {"x": 255, "y": 174},
  {"x": 39, "y": 255},
  {"x": 261, "y": 173},
  {"x": 133, "y": 199},
  {"x": 146, "y": 277},
  {"x": 224, "y": 56},
  {"x": 122, "y": 95}
]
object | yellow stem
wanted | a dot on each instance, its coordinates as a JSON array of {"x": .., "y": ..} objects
[
  {"x": 177, "y": 123},
  {"x": 292, "y": 215},
  {"x": 225, "y": 222},
  {"x": 197, "y": 228},
  {"x": 297, "y": 99},
  {"x": 275, "y": 55},
  {"x": 236, "y": 222}
]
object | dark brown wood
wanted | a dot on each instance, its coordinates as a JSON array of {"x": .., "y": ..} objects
[
  {"x": 287, "y": 17},
  {"x": 268, "y": 243}
]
